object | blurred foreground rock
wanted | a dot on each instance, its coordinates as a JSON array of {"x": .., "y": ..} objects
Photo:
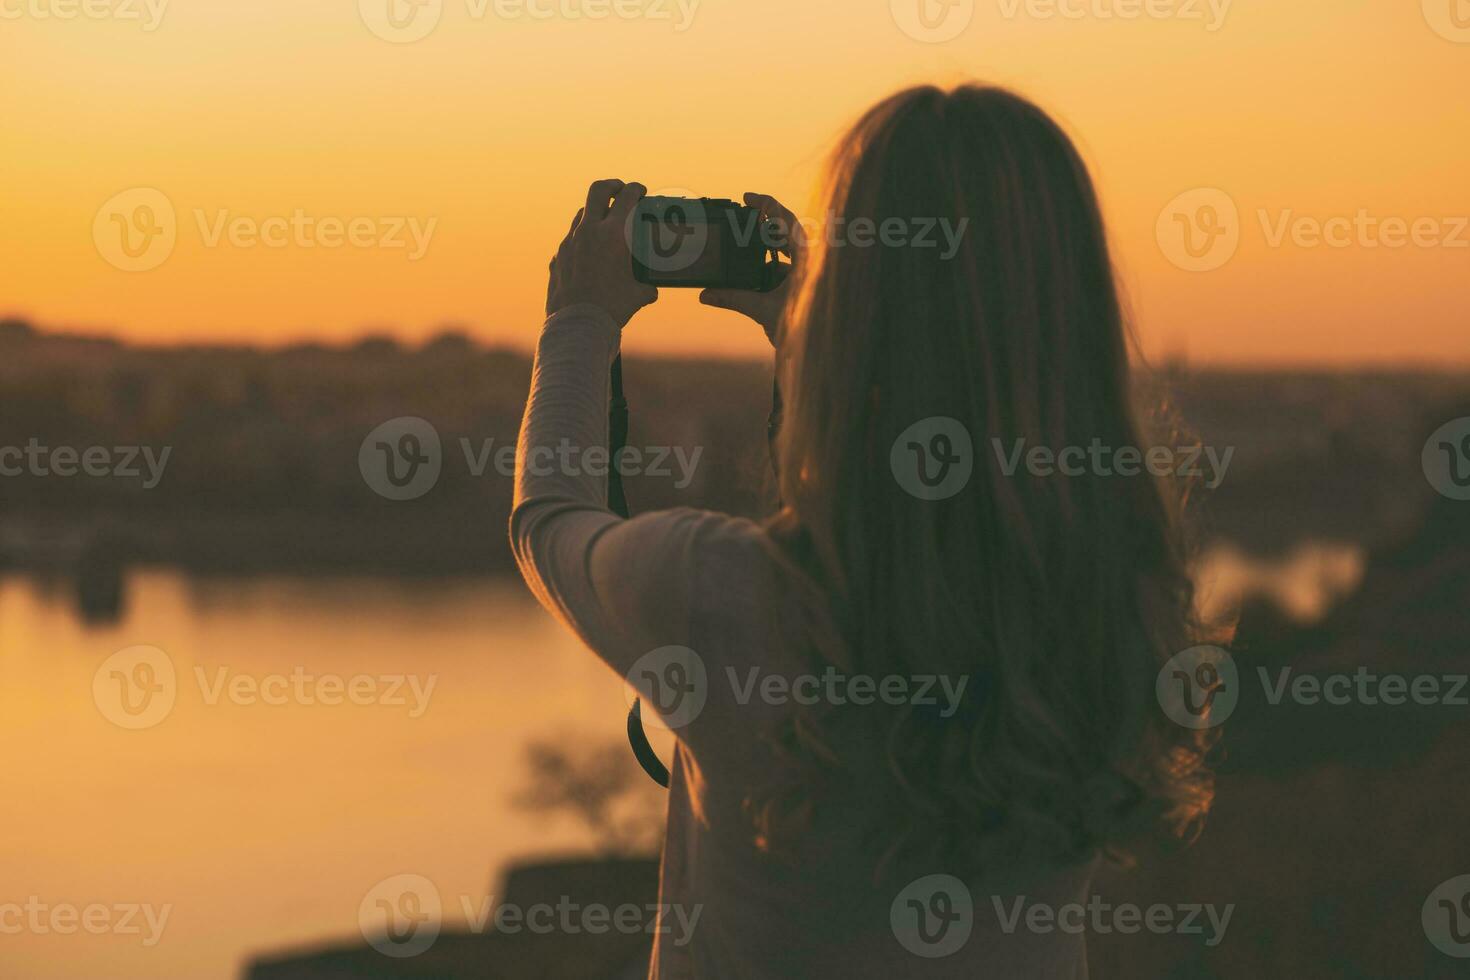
[
  {"x": 1333, "y": 823},
  {"x": 462, "y": 955}
]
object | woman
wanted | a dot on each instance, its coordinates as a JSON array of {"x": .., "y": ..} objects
[{"x": 867, "y": 830}]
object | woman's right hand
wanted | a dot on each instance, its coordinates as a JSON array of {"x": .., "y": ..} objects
[{"x": 766, "y": 308}]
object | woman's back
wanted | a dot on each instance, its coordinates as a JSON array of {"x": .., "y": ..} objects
[
  {"x": 825, "y": 909},
  {"x": 698, "y": 611},
  {"x": 902, "y": 704}
]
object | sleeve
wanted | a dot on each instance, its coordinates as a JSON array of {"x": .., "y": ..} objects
[{"x": 624, "y": 586}]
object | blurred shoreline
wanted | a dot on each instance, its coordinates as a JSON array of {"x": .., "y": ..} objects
[{"x": 262, "y": 471}]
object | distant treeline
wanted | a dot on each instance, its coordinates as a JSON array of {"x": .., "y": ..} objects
[{"x": 262, "y": 468}]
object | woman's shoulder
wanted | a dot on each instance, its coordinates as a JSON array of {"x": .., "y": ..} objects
[
  {"x": 746, "y": 585},
  {"x": 742, "y": 588},
  {"x": 714, "y": 535}
]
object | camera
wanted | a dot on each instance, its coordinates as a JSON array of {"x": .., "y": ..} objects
[{"x": 704, "y": 243}]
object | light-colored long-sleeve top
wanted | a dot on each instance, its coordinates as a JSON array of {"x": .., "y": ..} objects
[{"x": 693, "y": 608}]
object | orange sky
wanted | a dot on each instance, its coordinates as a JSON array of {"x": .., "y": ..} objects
[{"x": 491, "y": 125}]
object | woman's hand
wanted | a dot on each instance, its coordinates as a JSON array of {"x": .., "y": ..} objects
[
  {"x": 766, "y": 308},
  {"x": 594, "y": 264}
]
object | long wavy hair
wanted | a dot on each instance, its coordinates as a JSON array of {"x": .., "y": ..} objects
[{"x": 1058, "y": 597}]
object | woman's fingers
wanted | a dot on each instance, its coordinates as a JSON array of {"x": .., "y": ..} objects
[
  {"x": 770, "y": 207},
  {"x": 565, "y": 247},
  {"x": 627, "y": 199},
  {"x": 763, "y": 308},
  {"x": 727, "y": 299},
  {"x": 576, "y": 220},
  {"x": 773, "y": 210},
  {"x": 599, "y": 197},
  {"x": 758, "y": 306}
]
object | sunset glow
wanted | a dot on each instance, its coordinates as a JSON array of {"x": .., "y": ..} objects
[{"x": 1344, "y": 118}]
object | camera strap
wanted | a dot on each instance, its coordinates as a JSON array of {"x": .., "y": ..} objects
[{"x": 617, "y": 502}]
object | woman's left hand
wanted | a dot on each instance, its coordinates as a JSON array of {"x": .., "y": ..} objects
[{"x": 594, "y": 263}]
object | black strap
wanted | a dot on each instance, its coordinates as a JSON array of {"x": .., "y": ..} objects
[
  {"x": 642, "y": 751},
  {"x": 618, "y": 504},
  {"x": 773, "y": 424},
  {"x": 617, "y": 438}
]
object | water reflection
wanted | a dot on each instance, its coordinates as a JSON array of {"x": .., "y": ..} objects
[
  {"x": 286, "y": 775},
  {"x": 262, "y": 814}
]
